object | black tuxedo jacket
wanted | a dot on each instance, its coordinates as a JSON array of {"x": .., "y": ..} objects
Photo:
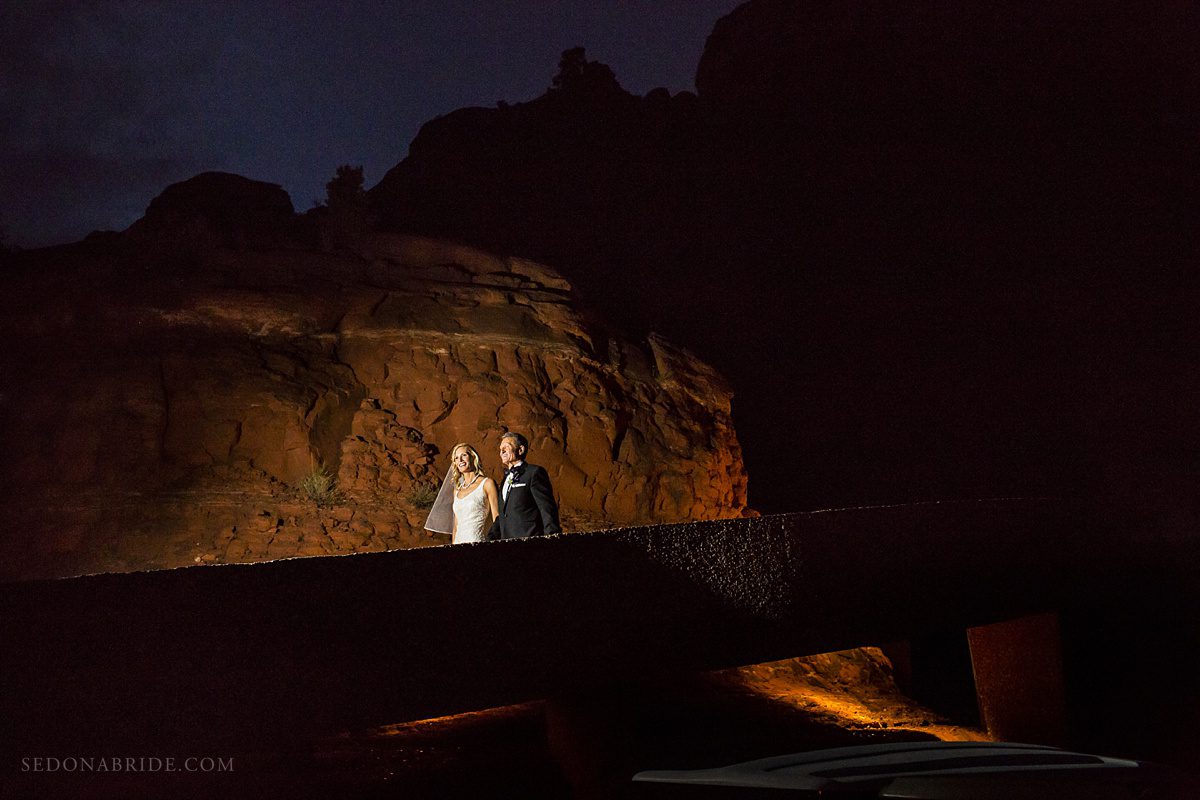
[{"x": 529, "y": 509}]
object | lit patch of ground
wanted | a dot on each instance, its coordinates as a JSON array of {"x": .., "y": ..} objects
[{"x": 852, "y": 689}]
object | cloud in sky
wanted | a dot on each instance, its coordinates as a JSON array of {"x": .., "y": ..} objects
[{"x": 86, "y": 131}]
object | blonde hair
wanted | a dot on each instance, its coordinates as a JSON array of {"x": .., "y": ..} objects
[{"x": 476, "y": 463}]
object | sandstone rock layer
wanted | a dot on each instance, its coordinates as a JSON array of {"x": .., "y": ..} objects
[{"x": 166, "y": 408}]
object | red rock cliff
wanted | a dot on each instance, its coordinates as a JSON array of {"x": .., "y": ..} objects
[{"x": 163, "y": 406}]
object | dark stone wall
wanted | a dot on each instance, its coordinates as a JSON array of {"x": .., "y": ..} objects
[{"x": 270, "y": 651}]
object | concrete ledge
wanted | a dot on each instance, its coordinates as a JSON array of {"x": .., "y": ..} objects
[{"x": 312, "y": 645}]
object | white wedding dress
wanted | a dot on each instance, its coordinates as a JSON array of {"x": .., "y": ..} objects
[{"x": 471, "y": 514}]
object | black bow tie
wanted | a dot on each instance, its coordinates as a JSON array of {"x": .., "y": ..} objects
[{"x": 514, "y": 471}]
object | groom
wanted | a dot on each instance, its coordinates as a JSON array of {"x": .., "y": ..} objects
[{"x": 527, "y": 506}]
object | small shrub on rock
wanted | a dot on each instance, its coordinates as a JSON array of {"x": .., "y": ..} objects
[
  {"x": 320, "y": 486},
  {"x": 422, "y": 494}
]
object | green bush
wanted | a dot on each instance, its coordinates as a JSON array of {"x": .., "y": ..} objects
[
  {"x": 422, "y": 494},
  {"x": 320, "y": 486}
]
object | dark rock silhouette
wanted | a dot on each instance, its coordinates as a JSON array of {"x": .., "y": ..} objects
[
  {"x": 936, "y": 248},
  {"x": 221, "y": 208},
  {"x": 588, "y": 175}
]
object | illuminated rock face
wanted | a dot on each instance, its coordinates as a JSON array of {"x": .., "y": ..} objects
[{"x": 164, "y": 413}]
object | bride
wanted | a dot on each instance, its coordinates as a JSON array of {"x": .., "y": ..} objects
[{"x": 468, "y": 500}]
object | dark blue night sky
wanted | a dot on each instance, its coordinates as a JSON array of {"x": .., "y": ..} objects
[{"x": 102, "y": 105}]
